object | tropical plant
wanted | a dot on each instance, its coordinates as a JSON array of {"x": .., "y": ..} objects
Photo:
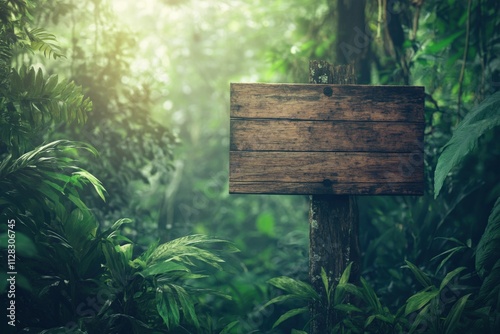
[
  {"x": 156, "y": 290},
  {"x": 136, "y": 149},
  {"x": 74, "y": 276},
  {"x": 443, "y": 308},
  {"x": 169, "y": 74},
  {"x": 479, "y": 121}
]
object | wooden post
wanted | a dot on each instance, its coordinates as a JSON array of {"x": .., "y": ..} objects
[
  {"x": 333, "y": 223},
  {"x": 333, "y": 140}
]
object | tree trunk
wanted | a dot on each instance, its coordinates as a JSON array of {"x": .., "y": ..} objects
[
  {"x": 333, "y": 224},
  {"x": 353, "y": 40}
]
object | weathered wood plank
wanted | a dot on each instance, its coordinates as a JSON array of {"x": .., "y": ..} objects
[
  {"x": 305, "y": 188},
  {"x": 356, "y": 139},
  {"x": 329, "y": 167},
  {"x": 293, "y": 135},
  {"x": 328, "y": 102}
]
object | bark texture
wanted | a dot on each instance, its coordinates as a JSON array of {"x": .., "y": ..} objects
[{"x": 333, "y": 224}]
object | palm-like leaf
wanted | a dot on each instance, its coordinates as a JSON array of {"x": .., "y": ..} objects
[
  {"x": 46, "y": 173},
  {"x": 31, "y": 102},
  {"x": 44, "y": 42},
  {"x": 191, "y": 248}
]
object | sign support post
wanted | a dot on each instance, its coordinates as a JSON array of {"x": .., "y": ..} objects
[
  {"x": 333, "y": 222},
  {"x": 333, "y": 140}
]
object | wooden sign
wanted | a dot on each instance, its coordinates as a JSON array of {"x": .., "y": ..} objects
[{"x": 326, "y": 139}]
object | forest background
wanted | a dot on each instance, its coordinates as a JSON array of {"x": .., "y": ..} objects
[{"x": 114, "y": 140}]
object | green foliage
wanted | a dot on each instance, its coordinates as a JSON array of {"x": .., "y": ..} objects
[
  {"x": 295, "y": 289},
  {"x": 476, "y": 123},
  {"x": 434, "y": 309},
  {"x": 42, "y": 175},
  {"x": 42, "y": 41},
  {"x": 136, "y": 148},
  {"x": 487, "y": 251},
  {"x": 31, "y": 102},
  {"x": 75, "y": 276},
  {"x": 15, "y": 30},
  {"x": 429, "y": 297},
  {"x": 169, "y": 74},
  {"x": 158, "y": 278},
  {"x": 487, "y": 260}
]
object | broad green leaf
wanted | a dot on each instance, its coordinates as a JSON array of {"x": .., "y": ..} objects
[
  {"x": 290, "y": 314},
  {"x": 228, "y": 328},
  {"x": 51, "y": 83},
  {"x": 370, "y": 296},
  {"x": 346, "y": 274},
  {"x": 126, "y": 250},
  {"x": 293, "y": 286},
  {"x": 186, "y": 305},
  {"x": 296, "y": 331},
  {"x": 369, "y": 320},
  {"x": 477, "y": 122},
  {"x": 78, "y": 202},
  {"x": 49, "y": 193},
  {"x": 94, "y": 181},
  {"x": 450, "y": 252},
  {"x": 419, "y": 300},
  {"x": 120, "y": 222},
  {"x": 422, "y": 316},
  {"x": 438, "y": 46},
  {"x": 79, "y": 227},
  {"x": 172, "y": 307},
  {"x": 450, "y": 276},
  {"x": 488, "y": 248},
  {"x": 489, "y": 293},
  {"x": 419, "y": 274},
  {"x": 347, "y": 308},
  {"x": 350, "y": 288},
  {"x": 453, "y": 319},
  {"x": 342, "y": 286},
  {"x": 163, "y": 268},
  {"x": 58, "y": 176},
  {"x": 283, "y": 298},
  {"x": 385, "y": 318},
  {"x": 161, "y": 307}
]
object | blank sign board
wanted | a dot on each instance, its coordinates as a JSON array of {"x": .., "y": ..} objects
[{"x": 326, "y": 139}]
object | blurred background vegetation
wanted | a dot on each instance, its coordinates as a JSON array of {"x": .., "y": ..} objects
[{"x": 128, "y": 101}]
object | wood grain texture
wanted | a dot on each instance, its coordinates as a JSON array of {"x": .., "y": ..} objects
[
  {"x": 309, "y": 102},
  {"x": 287, "y": 188},
  {"x": 294, "y": 138},
  {"x": 326, "y": 136},
  {"x": 319, "y": 166}
]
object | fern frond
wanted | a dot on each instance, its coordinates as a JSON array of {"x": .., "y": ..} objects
[{"x": 44, "y": 42}]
